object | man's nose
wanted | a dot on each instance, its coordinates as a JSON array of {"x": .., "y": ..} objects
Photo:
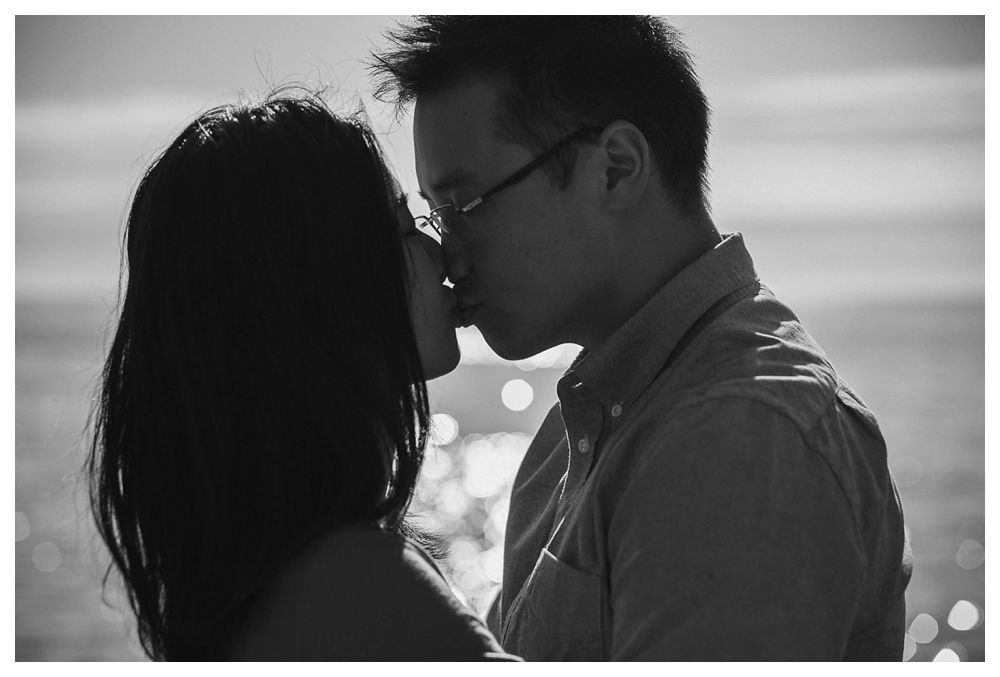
[{"x": 456, "y": 259}]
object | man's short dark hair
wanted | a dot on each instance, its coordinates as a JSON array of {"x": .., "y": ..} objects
[{"x": 564, "y": 73}]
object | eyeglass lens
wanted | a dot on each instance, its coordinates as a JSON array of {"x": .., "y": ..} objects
[{"x": 452, "y": 223}]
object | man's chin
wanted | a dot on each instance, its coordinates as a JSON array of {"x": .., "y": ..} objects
[{"x": 509, "y": 347}]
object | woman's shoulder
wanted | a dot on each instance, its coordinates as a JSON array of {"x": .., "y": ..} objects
[
  {"x": 355, "y": 552},
  {"x": 365, "y": 563},
  {"x": 358, "y": 593}
]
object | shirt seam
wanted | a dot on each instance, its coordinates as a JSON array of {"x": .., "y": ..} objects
[{"x": 803, "y": 435}]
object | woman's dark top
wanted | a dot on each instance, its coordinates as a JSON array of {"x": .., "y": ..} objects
[{"x": 360, "y": 594}]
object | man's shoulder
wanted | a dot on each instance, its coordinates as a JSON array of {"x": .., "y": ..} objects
[
  {"x": 757, "y": 350},
  {"x": 752, "y": 376}
]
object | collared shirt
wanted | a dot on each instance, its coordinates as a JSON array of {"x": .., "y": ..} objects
[{"x": 707, "y": 487}]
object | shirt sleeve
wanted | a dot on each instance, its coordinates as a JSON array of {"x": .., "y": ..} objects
[
  {"x": 732, "y": 538},
  {"x": 367, "y": 596}
]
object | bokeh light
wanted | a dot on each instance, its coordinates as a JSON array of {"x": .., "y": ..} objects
[
  {"x": 517, "y": 394},
  {"x": 492, "y": 564},
  {"x": 947, "y": 655},
  {"x": 452, "y": 499},
  {"x": 483, "y": 478},
  {"x": 965, "y": 615},
  {"x": 959, "y": 650},
  {"x": 22, "y": 528},
  {"x": 46, "y": 557},
  {"x": 437, "y": 463},
  {"x": 498, "y": 517},
  {"x": 444, "y": 428},
  {"x": 909, "y": 647},
  {"x": 464, "y": 495},
  {"x": 490, "y": 463},
  {"x": 923, "y": 629},
  {"x": 970, "y": 554},
  {"x": 464, "y": 552}
]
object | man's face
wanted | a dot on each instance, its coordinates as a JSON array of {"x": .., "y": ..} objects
[{"x": 523, "y": 279}]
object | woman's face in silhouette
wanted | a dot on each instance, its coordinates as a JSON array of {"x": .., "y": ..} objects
[{"x": 432, "y": 304}]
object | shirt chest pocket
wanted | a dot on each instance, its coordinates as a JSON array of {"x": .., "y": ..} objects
[{"x": 559, "y": 616}]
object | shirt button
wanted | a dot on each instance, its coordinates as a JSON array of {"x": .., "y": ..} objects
[
  {"x": 583, "y": 445},
  {"x": 616, "y": 410}
]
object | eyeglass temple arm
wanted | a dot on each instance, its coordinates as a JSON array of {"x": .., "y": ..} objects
[{"x": 527, "y": 169}]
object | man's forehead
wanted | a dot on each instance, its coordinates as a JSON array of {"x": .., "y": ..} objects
[
  {"x": 451, "y": 157},
  {"x": 455, "y": 137}
]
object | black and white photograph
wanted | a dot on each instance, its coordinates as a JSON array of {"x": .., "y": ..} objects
[{"x": 500, "y": 338}]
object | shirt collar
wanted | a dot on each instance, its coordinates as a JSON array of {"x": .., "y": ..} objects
[{"x": 621, "y": 368}]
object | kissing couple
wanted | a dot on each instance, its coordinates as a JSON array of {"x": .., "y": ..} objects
[{"x": 706, "y": 488}]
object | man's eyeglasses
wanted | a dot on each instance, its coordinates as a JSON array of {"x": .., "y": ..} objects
[{"x": 451, "y": 220}]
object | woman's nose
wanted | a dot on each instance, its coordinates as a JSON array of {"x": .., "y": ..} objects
[{"x": 434, "y": 251}]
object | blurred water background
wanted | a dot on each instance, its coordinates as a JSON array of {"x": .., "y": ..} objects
[{"x": 849, "y": 151}]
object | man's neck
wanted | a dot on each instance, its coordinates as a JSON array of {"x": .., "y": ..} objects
[{"x": 649, "y": 265}]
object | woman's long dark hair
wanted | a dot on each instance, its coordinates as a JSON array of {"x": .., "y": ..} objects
[{"x": 264, "y": 384}]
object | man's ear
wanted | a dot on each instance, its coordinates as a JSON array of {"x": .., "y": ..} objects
[{"x": 623, "y": 154}]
